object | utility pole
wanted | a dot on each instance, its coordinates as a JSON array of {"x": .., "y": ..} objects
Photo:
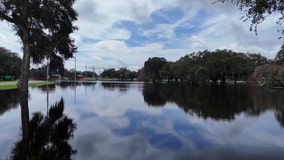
[
  {"x": 93, "y": 72},
  {"x": 75, "y": 70},
  {"x": 86, "y": 69},
  {"x": 47, "y": 71}
]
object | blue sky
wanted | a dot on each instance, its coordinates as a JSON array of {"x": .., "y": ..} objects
[{"x": 125, "y": 33}]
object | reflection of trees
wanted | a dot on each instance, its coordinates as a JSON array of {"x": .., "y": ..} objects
[
  {"x": 49, "y": 88},
  {"x": 8, "y": 100},
  {"x": 152, "y": 95},
  {"x": 280, "y": 117},
  {"x": 216, "y": 102},
  {"x": 47, "y": 137},
  {"x": 267, "y": 98},
  {"x": 65, "y": 85},
  {"x": 270, "y": 99},
  {"x": 122, "y": 87},
  {"x": 72, "y": 85},
  {"x": 207, "y": 102}
]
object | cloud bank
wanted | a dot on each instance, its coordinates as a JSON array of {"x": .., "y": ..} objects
[{"x": 115, "y": 34}]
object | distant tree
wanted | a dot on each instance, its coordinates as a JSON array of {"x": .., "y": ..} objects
[
  {"x": 239, "y": 66},
  {"x": 200, "y": 74},
  {"x": 38, "y": 73},
  {"x": 279, "y": 59},
  {"x": 152, "y": 68},
  {"x": 257, "y": 59},
  {"x": 141, "y": 75},
  {"x": 132, "y": 74},
  {"x": 204, "y": 67},
  {"x": 217, "y": 65},
  {"x": 182, "y": 68},
  {"x": 44, "y": 28},
  {"x": 10, "y": 63},
  {"x": 269, "y": 75},
  {"x": 69, "y": 73},
  {"x": 89, "y": 74},
  {"x": 258, "y": 10},
  {"x": 168, "y": 71},
  {"x": 123, "y": 73},
  {"x": 109, "y": 73}
]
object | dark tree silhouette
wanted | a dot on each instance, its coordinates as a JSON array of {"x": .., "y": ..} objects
[
  {"x": 48, "y": 136},
  {"x": 10, "y": 63},
  {"x": 44, "y": 28},
  {"x": 152, "y": 68},
  {"x": 279, "y": 58}
]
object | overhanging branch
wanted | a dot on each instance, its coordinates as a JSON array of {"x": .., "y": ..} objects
[{"x": 7, "y": 18}]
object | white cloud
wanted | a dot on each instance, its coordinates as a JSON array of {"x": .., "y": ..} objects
[
  {"x": 197, "y": 42},
  {"x": 110, "y": 46},
  {"x": 8, "y": 39},
  {"x": 226, "y": 32},
  {"x": 115, "y": 53},
  {"x": 161, "y": 31},
  {"x": 207, "y": 26},
  {"x": 96, "y": 18}
]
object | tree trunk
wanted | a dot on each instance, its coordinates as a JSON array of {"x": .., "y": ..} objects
[
  {"x": 24, "y": 80},
  {"x": 235, "y": 79},
  {"x": 214, "y": 82},
  {"x": 223, "y": 79},
  {"x": 23, "y": 84},
  {"x": 25, "y": 116}
]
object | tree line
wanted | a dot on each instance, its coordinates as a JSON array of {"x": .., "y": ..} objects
[
  {"x": 217, "y": 67},
  {"x": 198, "y": 68},
  {"x": 46, "y": 36},
  {"x": 10, "y": 64},
  {"x": 121, "y": 74}
]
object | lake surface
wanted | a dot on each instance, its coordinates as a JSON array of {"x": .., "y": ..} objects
[{"x": 148, "y": 121}]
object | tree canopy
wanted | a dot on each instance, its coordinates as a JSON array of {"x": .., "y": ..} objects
[
  {"x": 280, "y": 56},
  {"x": 44, "y": 28},
  {"x": 203, "y": 67},
  {"x": 10, "y": 63},
  {"x": 121, "y": 74},
  {"x": 152, "y": 68}
]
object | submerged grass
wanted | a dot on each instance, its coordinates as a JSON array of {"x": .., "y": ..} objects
[
  {"x": 32, "y": 84},
  {"x": 8, "y": 86}
]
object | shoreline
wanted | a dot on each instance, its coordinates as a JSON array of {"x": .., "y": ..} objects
[{"x": 10, "y": 85}]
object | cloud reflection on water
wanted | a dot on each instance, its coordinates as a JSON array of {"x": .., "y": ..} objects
[{"x": 111, "y": 125}]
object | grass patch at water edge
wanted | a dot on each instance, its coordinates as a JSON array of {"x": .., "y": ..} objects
[
  {"x": 32, "y": 84},
  {"x": 8, "y": 86}
]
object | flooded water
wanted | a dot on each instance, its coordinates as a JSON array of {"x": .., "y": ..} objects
[{"x": 136, "y": 121}]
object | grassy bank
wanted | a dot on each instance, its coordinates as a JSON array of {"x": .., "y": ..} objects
[{"x": 10, "y": 86}]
